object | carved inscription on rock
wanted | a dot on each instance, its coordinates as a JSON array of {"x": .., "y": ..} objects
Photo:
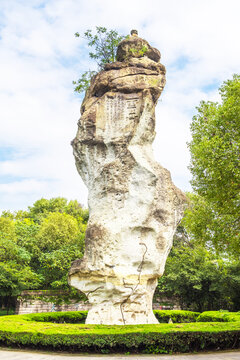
[{"x": 121, "y": 112}]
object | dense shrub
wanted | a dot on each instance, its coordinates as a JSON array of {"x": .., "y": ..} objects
[
  {"x": 79, "y": 317},
  {"x": 147, "y": 342},
  {"x": 219, "y": 316},
  {"x": 177, "y": 316},
  {"x": 71, "y": 317}
]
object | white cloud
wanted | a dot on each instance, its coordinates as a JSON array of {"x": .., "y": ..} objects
[{"x": 40, "y": 57}]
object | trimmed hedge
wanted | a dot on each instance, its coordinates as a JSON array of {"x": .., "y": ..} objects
[
  {"x": 30, "y": 331},
  {"x": 177, "y": 316},
  {"x": 150, "y": 342},
  {"x": 219, "y": 316},
  {"x": 70, "y": 317},
  {"x": 79, "y": 317}
]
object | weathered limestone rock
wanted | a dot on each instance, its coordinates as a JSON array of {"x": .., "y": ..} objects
[
  {"x": 134, "y": 206},
  {"x": 136, "y": 47}
]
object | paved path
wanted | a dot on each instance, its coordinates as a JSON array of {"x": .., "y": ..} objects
[{"x": 7, "y": 354}]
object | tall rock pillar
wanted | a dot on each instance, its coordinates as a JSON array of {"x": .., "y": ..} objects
[{"x": 134, "y": 206}]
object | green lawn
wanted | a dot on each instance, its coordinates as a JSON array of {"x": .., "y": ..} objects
[
  {"x": 24, "y": 330},
  {"x": 15, "y": 323}
]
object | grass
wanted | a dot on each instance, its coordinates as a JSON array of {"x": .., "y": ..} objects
[
  {"x": 24, "y": 323},
  {"x": 23, "y": 330}
]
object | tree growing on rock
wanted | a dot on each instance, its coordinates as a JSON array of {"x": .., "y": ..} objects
[{"x": 104, "y": 44}]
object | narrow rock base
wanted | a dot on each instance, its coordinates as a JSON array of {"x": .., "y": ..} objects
[{"x": 124, "y": 304}]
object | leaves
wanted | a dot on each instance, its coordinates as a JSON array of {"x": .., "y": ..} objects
[
  {"x": 200, "y": 280},
  {"x": 82, "y": 84},
  {"x": 14, "y": 278},
  {"x": 104, "y": 48},
  {"x": 215, "y": 166},
  {"x": 37, "y": 246},
  {"x": 57, "y": 230}
]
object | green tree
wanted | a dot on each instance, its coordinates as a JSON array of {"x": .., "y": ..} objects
[
  {"x": 26, "y": 231},
  {"x": 195, "y": 277},
  {"x": 215, "y": 166},
  {"x": 104, "y": 47},
  {"x": 76, "y": 210},
  {"x": 231, "y": 285},
  {"x": 41, "y": 208},
  {"x": 37, "y": 246},
  {"x": 7, "y": 227},
  {"x": 57, "y": 229},
  {"x": 56, "y": 264},
  {"x": 205, "y": 226},
  {"x": 61, "y": 240},
  {"x": 14, "y": 278},
  {"x": 15, "y": 271}
]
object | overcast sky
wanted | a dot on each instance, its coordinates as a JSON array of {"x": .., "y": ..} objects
[{"x": 39, "y": 58}]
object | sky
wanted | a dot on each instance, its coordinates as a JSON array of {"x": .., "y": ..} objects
[{"x": 40, "y": 57}]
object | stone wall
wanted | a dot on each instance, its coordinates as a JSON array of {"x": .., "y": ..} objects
[
  {"x": 31, "y": 302},
  {"x": 37, "y": 306},
  {"x": 166, "y": 304}
]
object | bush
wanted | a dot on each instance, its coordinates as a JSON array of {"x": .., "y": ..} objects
[
  {"x": 177, "y": 316},
  {"x": 150, "y": 342},
  {"x": 219, "y": 316},
  {"x": 71, "y": 317},
  {"x": 79, "y": 317}
]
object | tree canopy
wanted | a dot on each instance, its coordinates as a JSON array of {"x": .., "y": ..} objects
[
  {"x": 37, "y": 246},
  {"x": 200, "y": 279},
  {"x": 202, "y": 270},
  {"x": 215, "y": 166}
]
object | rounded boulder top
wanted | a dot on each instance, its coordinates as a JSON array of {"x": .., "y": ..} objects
[{"x": 134, "y": 46}]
